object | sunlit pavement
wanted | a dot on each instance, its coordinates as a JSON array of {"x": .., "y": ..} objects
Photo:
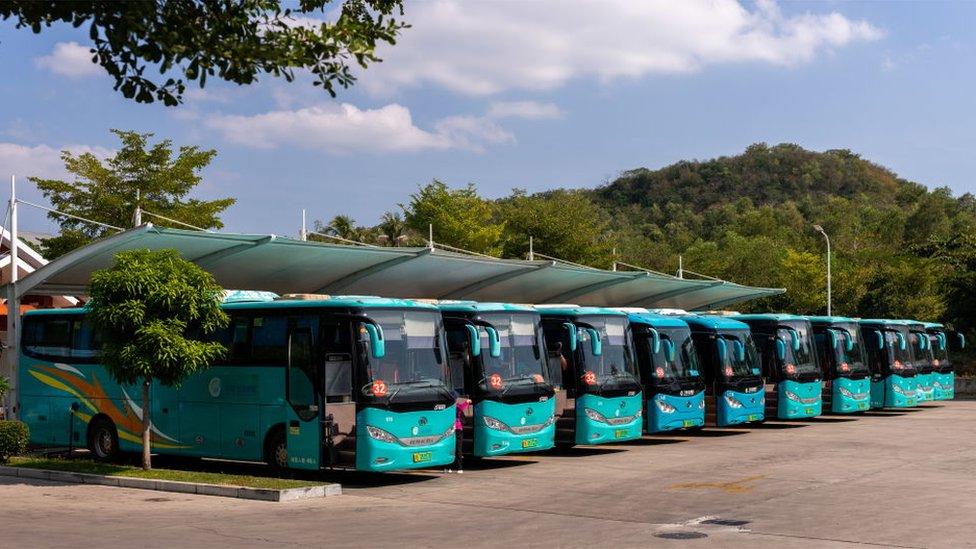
[{"x": 905, "y": 479}]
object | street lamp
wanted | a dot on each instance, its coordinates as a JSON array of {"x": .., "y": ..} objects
[{"x": 820, "y": 229}]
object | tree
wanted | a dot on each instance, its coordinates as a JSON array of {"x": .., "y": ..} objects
[
  {"x": 392, "y": 229},
  {"x": 152, "y": 308},
  {"x": 459, "y": 217},
  {"x": 343, "y": 226},
  {"x": 108, "y": 191},
  {"x": 235, "y": 41}
]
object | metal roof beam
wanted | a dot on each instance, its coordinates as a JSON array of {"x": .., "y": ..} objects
[
  {"x": 590, "y": 288},
  {"x": 356, "y": 276},
  {"x": 642, "y": 302},
  {"x": 766, "y": 292},
  {"x": 213, "y": 257}
]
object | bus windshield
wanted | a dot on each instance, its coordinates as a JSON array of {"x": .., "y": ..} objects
[
  {"x": 940, "y": 353},
  {"x": 613, "y": 367},
  {"x": 798, "y": 360},
  {"x": 731, "y": 366},
  {"x": 520, "y": 360},
  {"x": 847, "y": 362},
  {"x": 923, "y": 357},
  {"x": 899, "y": 360},
  {"x": 414, "y": 356},
  {"x": 683, "y": 363}
]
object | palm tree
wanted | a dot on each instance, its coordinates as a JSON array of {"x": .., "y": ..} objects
[{"x": 392, "y": 228}]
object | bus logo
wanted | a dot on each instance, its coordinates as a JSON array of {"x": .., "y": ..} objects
[{"x": 214, "y": 387}]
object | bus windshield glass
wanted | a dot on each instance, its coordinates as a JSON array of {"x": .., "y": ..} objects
[
  {"x": 940, "y": 356},
  {"x": 520, "y": 360},
  {"x": 414, "y": 357},
  {"x": 798, "y": 360},
  {"x": 684, "y": 360},
  {"x": 733, "y": 365},
  {"x": 613, "y": 367},
  {"x": 847, "y": 362},
  {"x": 923, "y": 357},
  {"x": 899, "y": 360}
]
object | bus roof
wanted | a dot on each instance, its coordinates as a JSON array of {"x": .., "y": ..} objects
[
  {"x": 881, "y": 322},
  {"x": 934, "y": 326},
  {"x": 575, "y": 310},
  {"x": 332, "y": 302},
  {"x": 708, "y": 322},
  {"x": 478, "y": 307},
  {"x": 769, "y": 317},
  {"x": 830, "y": 319},
  {"x": 657, "y": 321}
]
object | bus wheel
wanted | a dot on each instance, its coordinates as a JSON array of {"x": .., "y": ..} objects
[
  {"x": 276, "y": 450},
  {"x": 103, "y": 439}
]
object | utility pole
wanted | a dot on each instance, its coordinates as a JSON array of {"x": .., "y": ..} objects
[
  {"x": 681, "y": 267},
  {"x": 531, "y": 250},
  {"x": 13, "y": 308},
  {"x": 137, "y": 215},
  {"x": 303, "y": 234},
  {"x": 820, "y": 229}
]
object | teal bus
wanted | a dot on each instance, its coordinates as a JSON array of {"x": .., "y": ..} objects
[
  {"x": 789, "y": 364},
  {"x": 674, "y": 390},
  {"x": 840, "y": 351},
  {"x": 891, "y": 362},
  {"x": 498, "y": 360},
  {"x": 924, "y": 365},
  {"x": 943, "y": 375},
  {"x": 591, "y": 363},
  {"x": 734, "y": 388},
  {"x": 309, "y": 383}
]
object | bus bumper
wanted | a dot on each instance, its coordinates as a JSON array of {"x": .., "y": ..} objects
[
  {"x": 944, "y": 386},
  {"x": 387, "y": 441},
  {"x": 501, "y": 429},
  {"x": 851, "y": 395},
  {"x": 734, "y": 408},
  {"x": 670, "y": 412},
  {"x": 798, "y": 400},
  {"x": 600, "y": 420},
  {"x": 925, "y": 388},
  {"x": 900, "y": 392}
]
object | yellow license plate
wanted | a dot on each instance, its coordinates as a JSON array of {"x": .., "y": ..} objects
[
  {"x": 420, "y": 457},
  {"x": 809, "y": 410},
  {"x": 754, "y": 417},
  {"x": 862, "y": 405},
  {"x": 620, "y": 433},
  {"x": 689, "y": 423},
  {"x": 530, "y": 443}
]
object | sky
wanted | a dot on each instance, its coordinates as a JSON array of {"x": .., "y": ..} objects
[{"x": 531, "y": 95}]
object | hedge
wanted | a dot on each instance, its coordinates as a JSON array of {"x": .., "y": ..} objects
[{"x": 13, "y": 439}]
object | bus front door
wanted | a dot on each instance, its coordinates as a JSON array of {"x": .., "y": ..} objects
[{"x": 303, "y": 425}]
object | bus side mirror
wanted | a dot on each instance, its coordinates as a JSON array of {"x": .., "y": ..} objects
[
  {"x": 656, "y": 338},
  {"x": 740, "y": 350},
  {"x": 901, "y": 341},
  {"x": 494, "y": 343},
  {"x": 377, "y": 345},
  {"x": 668, "y": 350},
  {"x": 849, "y": 338},
  {"x": 781, "y": 347},
  {"x": 571, "y": 329},
  {"x": 879, "y": 339},
  {"x": 795, "y": 339},
  {"x": 722, "y": 348},
  {"x": 962, "y": 340},
  {"x": 942, "y": 341},
  {"x": 474, "y": 338},
  {"x": 833, "y": 339},
  {"x": 596, "y": 344}
]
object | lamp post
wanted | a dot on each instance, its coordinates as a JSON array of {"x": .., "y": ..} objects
[{"x": 820, "y": 229}]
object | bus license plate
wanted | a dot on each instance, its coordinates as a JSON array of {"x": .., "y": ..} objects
[
  {"x": 530, "y": 443},
  {"x": 689, "y": 423},
  {"x": 862, "y": 405},
  {"x": 754, "y": 417},
  {"x": 809, "y": 411},
  {"x": 420, "y": 457},
  {"x": 620, "y": 433}
]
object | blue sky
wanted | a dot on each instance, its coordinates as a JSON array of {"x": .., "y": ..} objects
[{"x": 535, "y": 96}]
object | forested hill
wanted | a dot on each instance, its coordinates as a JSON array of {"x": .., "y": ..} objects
[{"x": 762, "y": 174}]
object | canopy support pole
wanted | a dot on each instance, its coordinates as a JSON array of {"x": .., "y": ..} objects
[{"x": 13, "y": 310}]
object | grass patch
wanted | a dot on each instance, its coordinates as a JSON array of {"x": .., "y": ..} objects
[{"x": 115, "y": 470}]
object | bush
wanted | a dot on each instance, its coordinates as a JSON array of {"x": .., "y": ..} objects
[{"x": 14, "y": 436}]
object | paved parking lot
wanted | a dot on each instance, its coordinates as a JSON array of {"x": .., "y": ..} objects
[{"x": 901, "y": 479}]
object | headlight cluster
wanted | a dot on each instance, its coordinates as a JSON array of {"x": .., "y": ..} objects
[
  {"x": 594, "y": 415},
  {"x": 792, "y": 396},
  {"x": 732, "y": 402},
  {"x": 493, "y": 423},
  {"x": 845, "y": 392},
  {"x": 381, "y": 435},
  {"x": 600, "y": 418},
  {"x": 664, "y": 406},
  {"x": 902, "y": 391},
  {"x": 424, "y": 440},
  {"x": 497, "y": 425}
]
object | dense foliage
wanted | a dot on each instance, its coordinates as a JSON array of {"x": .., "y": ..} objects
[
  {"x": 235, "y": 41},
  {"x": 14, "y": 437},
  {"x": 152, "y": 307},
  {"x": 138, "y": 173}
]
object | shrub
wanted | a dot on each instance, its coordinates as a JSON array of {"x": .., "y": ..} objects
[{"x": 14, "y": 436}]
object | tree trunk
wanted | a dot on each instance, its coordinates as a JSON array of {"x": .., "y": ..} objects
[{"x": 146, "y": 422}]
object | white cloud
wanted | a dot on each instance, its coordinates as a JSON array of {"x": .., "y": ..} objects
[
  {"x": 68, "y": 59},
  {"x": 531, "y": 110},
  {"x": 482, "y": 48},
  {"x": 345, "y": 128},
  {"x": 40, "y": 160}
]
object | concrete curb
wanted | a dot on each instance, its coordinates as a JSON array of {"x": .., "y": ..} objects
[{"x": 262, "y": 494}]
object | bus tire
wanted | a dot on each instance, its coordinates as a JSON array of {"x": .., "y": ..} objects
[
  {"x": 103, "y": 439},
  {"x": 276, "y": 449}
]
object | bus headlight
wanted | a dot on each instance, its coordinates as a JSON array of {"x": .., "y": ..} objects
[
  {"x": 381, "y": 435},
  {"x": 844, "y": 392},
  {"x": 732, "y": 401},
  {"x": 664, "y": 406},
  {"x": 594, "y": 415},
  {"x": 792, "y": 396},
  {"x": 902, "y": 391},
  {"x": 701, "y": 404},
  {"x": 493, "y": 423}
]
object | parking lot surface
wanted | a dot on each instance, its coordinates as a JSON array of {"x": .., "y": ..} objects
[{"x": 895, "y": 479}]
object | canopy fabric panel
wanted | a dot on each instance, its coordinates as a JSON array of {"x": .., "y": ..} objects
[{"x": 284, "y": 265}]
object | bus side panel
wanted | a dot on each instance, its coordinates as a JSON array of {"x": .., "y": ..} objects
[
  {"x": 413, "y": 440},
  {"x": 878, "y": 392},
  {"x": 527, "y": 427},
  {"x": 671, "y": 412},
  {"x": 621, "y": 418}
]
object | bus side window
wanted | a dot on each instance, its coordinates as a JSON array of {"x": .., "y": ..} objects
[
  {"x": 85, "y": 343},
  {"x": 337, "y": 346},
  {"x": 554, "y": 357},
  {"x": 457, "y": 350},
  {"x": 47, "y": 337},
  {"x": 268, "y": 339},
  {"x": 301, "y": 391}
]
